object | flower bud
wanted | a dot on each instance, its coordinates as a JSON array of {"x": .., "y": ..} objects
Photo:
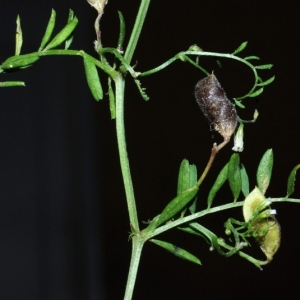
[
  {"x": 239, "y": 139},
  {"x": 216, "y": 107},
  {"x": 98, "y": 4}
]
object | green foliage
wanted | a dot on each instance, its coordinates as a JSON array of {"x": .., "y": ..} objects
[
  {"x": 177, "y": 205},
  {"x": 291, "y": 181},
  {"x": 19, "y": 37},
  {"x": 264, "y": 171},
  {"x": 234, "y": 175},
  {"x": 19, "y": 61},
  {"x": 49, "y": 30},
  {"x": 179, "y": 252},
  {"x": 63, "y": 35},
  {"x": 181, "y": 212},
  {"x": 122, "y": 31},
  {"x": 245, "y": 181},
  {"x": 92, "y": 77},
  {"x": 240, "y": 48},
  {"x": 221, "y": 179}
]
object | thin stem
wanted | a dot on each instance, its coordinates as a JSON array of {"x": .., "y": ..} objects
[
  {"x": 214, "y": 152},
  {"x": 205, "y": 212},
  {"x": 183, "y": 56},
  {"x": 105, "y": 67},
  {"x": 209, "y": 164},
  {"x": 98, "y": 45},
  {"x": 256, "y": 262},
  {"x": 137, "y": 246},
  {"x": 120, "y": 128},
  {"x": 138, "y": 25}
]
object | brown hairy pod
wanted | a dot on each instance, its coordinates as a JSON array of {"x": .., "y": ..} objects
[{"x": 216, "y": 107}]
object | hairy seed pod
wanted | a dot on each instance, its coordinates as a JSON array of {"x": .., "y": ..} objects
[{"x": 216, "y": 107}]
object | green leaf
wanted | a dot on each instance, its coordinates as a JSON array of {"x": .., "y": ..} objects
[
  {"x": 209, "y": 236},
  {"x": 239, "y": 103},
  {"x": 252, "y": 57},
  {"x": 264, "y": 171},
  {"x": 183, "y": 177},
  {"x": 256, "y": 93},
  {"x": 190, "y": 231},
  {"x": 179, "y": 252},
  {"x": 255, "y": 115},
  {"x": 112, "y": 101},
  {"x": 152, "y": 225},
  {"x": 193, "y": 176},
  {"x": 212, "y": 239},
  {"x": 291, "y": 181},
  {"x": 11, "y": 83},
  {"x": 141, "y": 89},
  {"x": 19, "y": 37},
  {"x": 263, "y": 67},
  {"x": 122, "y": 30},
  {"x": 20, "y": 61},
  {"x": 234, "y": 175},
  {"x": 177, "y": 205},
  {"x": 69, "y": 41},
  {"x": 49, "y": 30},
  {"x": 193, "y": 182},
  {"x": 222, "y": 177},
  {"x": 240, "y": 48},
  {"x": 264, "y": 83},
  {"x": 187, "y": 176},
  {"x": 245, "y": 181},
  {"x": 63, "y": 34},
  {"x": 92, "y": 77}
]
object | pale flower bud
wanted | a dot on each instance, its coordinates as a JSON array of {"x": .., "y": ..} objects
[
  {"x": 98, "y": 5},
  {"x": 238, "y": 139}
]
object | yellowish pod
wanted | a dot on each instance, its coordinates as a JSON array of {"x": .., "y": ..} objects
[{"x": 265, "y": 226}]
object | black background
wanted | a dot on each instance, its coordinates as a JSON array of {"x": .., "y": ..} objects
[{"x": 63, "y": 217}]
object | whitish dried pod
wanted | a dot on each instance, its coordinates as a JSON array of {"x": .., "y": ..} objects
[
  {"x": 265, "y": 226},
  {"x": 216, "y": 107}
]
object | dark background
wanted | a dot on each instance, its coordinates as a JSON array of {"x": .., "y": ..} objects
[{"x": 63, "y": 218}]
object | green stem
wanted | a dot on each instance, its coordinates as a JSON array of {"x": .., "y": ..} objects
[
  {"x": 11, "y": 83},
  {"x": 120, "y": 128},
  {"x": 256, "y": 262},
  {"x": 202, "y": 213},
  {"x": 103, "y": 66},
  {"x": 137, "y": 246},
  {"x": 183, "y": 56},
  {"x": 137, "y": 28}
]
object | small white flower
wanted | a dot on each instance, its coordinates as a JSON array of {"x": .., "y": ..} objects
[{"x": 238, "y": 139}]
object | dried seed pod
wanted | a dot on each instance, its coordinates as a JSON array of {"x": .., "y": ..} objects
[{"x": 216, "y": 107}]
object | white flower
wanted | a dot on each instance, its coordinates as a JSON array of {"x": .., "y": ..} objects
[{"x": 238, "y": 139}]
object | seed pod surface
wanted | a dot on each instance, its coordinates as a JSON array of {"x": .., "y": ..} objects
[
  {"x": 215, "y": 105},
  {"x": 266, "y": 228}
]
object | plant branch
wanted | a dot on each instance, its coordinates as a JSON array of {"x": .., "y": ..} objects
[
  {"x": 103, "y": 66},
  {"x": 214, "y": 151},
  {"x": 120, "y": 128},
  {"x": 137, "y": 246},
  {"x": 183, "y": 56},
  {"x": 208, "y": 211},
  {"x": 138, "y": 25}
]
